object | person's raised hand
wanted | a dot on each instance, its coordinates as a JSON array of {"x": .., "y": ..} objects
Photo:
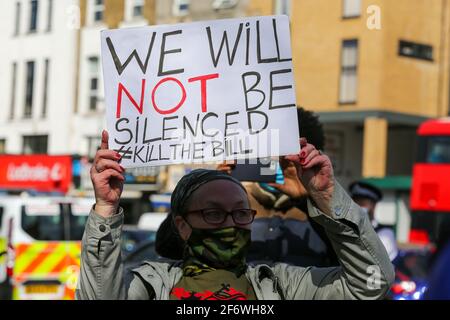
[
  {"x": 315, "y": 171},
  {"x": 227, "y": 166},
  {"x": 292, "y": 185},
  {"x": 107, "y": 179}
]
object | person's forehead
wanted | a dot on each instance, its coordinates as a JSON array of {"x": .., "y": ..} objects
[
  {"x": 218, "y": 191},
  {"x": 212, "y": 203},
  {"x": 218, "y": 186}
]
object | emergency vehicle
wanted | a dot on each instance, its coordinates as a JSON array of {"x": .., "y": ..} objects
[
  {"x": 430, "y": 193},
  {"x": 40, "y": 228},
  {"x": 41, "y": 239}
]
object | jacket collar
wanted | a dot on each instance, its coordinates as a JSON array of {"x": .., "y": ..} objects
[{"x": 164, "y": 276}]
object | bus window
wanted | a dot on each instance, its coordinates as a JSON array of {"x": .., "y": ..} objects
[
  {"x": 77, "y": 224},
  {"x": 438, "y": 150},
  {"x": 78, "y": 217},
  {"x": 44, "y": 224}
]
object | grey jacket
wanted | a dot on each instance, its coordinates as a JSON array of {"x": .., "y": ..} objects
[{"x": 365, "y": 272}]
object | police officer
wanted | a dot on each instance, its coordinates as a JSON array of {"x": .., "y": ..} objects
[{"x": 367, "y": 196}]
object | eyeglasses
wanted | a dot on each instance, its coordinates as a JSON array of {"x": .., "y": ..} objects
[{"x": 218, "y": 216}]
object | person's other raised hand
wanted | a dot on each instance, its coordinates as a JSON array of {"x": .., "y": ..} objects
[{"x": 315, "y": 171}]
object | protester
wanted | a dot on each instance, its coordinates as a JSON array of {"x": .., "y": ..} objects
[
  {"x": 282, "y": 230},
  {"x": 367, "y": 196},
  {"x": 213, "y": 217}
]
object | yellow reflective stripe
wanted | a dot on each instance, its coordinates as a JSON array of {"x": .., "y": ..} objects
[
  {"x": 75, "y": 252},
  {"x": 52, "y": 259},
  {"x": 28, "y": 256},
  {"x": 15, "y": 294},
  {"x": 2, "y": 249}
]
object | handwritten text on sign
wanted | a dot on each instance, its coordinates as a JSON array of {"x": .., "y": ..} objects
[{"x": 203, "y": 91}]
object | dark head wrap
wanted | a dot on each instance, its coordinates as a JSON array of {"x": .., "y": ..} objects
[
  {"x": 191, "y": 182},
  {"x": 168, "y": 243}
]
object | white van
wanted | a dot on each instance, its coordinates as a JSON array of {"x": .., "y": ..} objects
[
  {"x": 151, "y": 220},
  {"x": 40, "y": 238}
]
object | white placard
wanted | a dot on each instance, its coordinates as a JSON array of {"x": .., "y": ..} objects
[{"x": 198, "y": 92}]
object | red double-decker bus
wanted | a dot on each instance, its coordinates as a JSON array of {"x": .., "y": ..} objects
[{"x": 430, "y": 194}]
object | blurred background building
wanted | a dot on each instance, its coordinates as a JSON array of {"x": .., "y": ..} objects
[
  {"x": 373, "y": 70},
  {"x": 37, "y": 80}
]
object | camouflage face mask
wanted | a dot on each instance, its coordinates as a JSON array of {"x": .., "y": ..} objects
[{"x": 211, "y": 249}]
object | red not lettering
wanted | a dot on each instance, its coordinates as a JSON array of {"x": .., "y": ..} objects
[
  {"x": 183, "y": 97},
  {"x": 121, "y": 89},
  {"x": 140, "y": 107},
  {"x": 203, "y": 80}
]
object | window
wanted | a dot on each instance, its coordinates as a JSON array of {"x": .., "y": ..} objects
[
  {"x": 35, "y": 144},
  {"x": 78, "y": 214},
  {"x": 12, "y": 105},
  {"x": 77, "y": 225},
  {"x": 351, "y": 8},
  {"x": 283, "y": 7},
  {"x": 132, "y": 239},
  {"x": 415, "y": 50},
  {"x": 138, "y": 8},
  {"x": 134, "y": 10},
  {"x": 49, "y": 15},
  {"x": 33, "y": 16},
  {"x": 29, "y": 88},
  {"x": 45, "y": 93},
  {"x": 349, "y": 68},
  {"x": 17, "y": 19},
  {"x": 438, "y": 150},
  {"x": 98, "y": 9},
  {"x": 53, "y": 222},
  {"x": 180, "y": 8},
  {"x": 41, "y": 224},
  {"x": 93, "y": 83},
  {"x": 2, "y": 146}
]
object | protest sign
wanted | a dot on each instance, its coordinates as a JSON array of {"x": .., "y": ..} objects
[{"x": 202, "y": 91}]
